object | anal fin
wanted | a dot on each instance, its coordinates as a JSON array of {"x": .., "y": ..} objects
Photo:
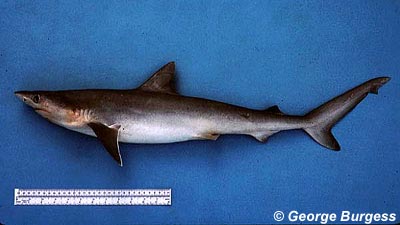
[{"x": 263, "y": 136}]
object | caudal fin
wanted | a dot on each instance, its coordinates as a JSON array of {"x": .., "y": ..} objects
[{"x": 323, "y": 118}]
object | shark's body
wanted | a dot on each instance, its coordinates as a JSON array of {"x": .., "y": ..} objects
[
  {"x": 156, "y": 113},
  {"x": 147, "y": 117}
]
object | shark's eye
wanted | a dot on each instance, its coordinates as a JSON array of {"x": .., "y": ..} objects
[{"x": 36, "y": 99}]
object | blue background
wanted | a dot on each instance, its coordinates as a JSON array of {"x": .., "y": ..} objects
[{"x": 296, "y": 54}]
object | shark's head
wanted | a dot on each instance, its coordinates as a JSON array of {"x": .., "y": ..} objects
[{"x": 50, "y": 105}]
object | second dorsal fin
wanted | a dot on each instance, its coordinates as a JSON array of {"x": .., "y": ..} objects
[
  {"x": 162, "y": 80},
  {"x": 274, "y": 109}
]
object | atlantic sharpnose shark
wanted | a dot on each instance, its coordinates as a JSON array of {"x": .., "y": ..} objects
[{"x": 156, "y": 113}]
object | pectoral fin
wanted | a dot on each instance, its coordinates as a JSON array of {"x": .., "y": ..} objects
[{"x": 108, "y": 135}]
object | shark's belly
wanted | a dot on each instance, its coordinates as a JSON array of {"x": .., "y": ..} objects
[
  {"x": 147, "y": 133},
  {"x": 162, "y": 130},
  {"x": 153, "y": 134}
]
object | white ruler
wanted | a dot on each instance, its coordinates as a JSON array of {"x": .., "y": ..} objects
[{"x": 92, "y": 197}]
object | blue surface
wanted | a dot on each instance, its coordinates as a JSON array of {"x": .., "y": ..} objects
[{"x": 255, "y": 54}]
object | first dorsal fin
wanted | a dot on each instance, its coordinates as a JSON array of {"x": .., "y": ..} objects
[
  {"x": 162, "y": 80},
  {"x": 274, "y": 109}
]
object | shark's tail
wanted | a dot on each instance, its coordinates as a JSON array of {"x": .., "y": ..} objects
[{"x": 323, "y": 118}]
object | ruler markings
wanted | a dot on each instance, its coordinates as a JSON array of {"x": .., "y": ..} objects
[{"x": 92, "y": 197}]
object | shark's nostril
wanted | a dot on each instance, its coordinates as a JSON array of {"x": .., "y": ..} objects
[{"x": 24, "y": 99}]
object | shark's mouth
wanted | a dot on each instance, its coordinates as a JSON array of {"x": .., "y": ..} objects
[
  {"x": 39, "y": 109},
  {"x": 42, "y": 112}
]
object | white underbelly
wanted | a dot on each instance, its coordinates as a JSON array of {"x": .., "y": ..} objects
[
  {"x": 146, "y": 135},
  {"x": 161, "y": 130},
  {"x": 156, "y": 130},
  {"x": 154, "y": 134}
]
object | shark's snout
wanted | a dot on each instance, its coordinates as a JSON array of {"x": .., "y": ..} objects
[
  {"x": 23, "y": 95},
  {"x": 30, "y": 98}
]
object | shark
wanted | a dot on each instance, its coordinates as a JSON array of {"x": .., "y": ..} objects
[{"x": 155, "y": 112}]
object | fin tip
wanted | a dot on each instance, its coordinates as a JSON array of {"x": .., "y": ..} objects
[
  {"x": 335, "y": 148},
  {"x": 378, "y": 83}
]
